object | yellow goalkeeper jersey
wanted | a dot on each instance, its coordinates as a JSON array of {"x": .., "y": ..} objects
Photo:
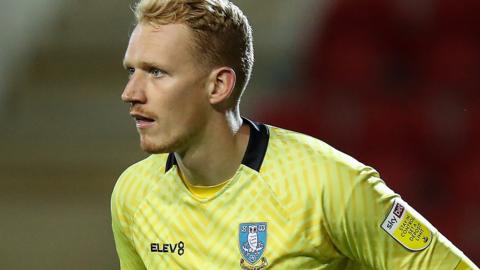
[{"x": 294, "y": 203}]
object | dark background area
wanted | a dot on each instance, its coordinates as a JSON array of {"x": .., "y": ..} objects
[{"x": 394, "y": 83}]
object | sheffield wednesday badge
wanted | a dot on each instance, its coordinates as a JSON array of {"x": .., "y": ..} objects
[{"x": 252, "y": 243}]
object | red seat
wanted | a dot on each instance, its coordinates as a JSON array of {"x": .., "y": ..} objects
[{"x": 453, "y": 16}]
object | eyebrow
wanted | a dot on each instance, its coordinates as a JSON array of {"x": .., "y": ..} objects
[{"x": 142, "y": 64}]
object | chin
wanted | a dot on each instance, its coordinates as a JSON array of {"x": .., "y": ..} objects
[{"x": 153, "y": 147}]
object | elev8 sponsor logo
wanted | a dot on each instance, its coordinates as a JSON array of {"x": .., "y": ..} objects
[{"x": 178, "y": 248}]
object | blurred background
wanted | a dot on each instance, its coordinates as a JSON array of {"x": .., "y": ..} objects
[{"x": 394, "y": 83}]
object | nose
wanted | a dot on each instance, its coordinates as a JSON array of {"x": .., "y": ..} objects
[{"x": 134, "y": 91}]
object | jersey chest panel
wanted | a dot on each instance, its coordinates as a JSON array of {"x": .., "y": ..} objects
[{"x": 245, "y": 225}]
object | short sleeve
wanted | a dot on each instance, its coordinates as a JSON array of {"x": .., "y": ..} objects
[{"x": 373, "y": 226}]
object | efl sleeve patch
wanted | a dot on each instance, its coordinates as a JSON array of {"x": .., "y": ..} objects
[{"x": 407, "y": 227}]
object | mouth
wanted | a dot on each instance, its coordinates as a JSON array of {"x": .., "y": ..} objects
[{"x": 142, "y": 121}]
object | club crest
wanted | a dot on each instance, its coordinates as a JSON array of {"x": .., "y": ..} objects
[{"x": 252, "y": 244}]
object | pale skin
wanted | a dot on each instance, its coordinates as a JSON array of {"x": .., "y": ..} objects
[{"x": 179, "y": 105}]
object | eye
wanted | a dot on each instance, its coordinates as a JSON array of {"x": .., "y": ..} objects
[
  {"x": 156, "y": 73},
  {"x": 130, "y": 71}
]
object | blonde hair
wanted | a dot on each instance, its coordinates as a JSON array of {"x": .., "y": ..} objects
[{"x": 222, "y": 33}]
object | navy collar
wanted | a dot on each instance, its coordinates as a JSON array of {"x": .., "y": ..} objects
[{"x": 256, "y": 148}]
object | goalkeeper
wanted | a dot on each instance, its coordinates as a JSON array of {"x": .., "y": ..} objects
[{"x": 222, "y": 192}]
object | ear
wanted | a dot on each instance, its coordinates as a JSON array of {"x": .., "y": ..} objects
[{"x": 221, "y": 85}]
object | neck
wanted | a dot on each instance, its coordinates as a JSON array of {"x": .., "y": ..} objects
[{"x": 218, "y": 151}]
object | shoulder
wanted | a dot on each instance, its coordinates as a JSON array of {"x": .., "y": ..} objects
[
  {"x": 311, "y": 167},
  {"x": 301, "y": 150},
  {"x": 136, "y": 181}
]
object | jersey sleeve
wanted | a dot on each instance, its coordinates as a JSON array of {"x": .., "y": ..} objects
[
  {"x": 373, "y": 226},
  {"x": 121, "y": 226}
]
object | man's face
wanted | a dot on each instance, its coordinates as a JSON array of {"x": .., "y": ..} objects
[{"x": 167, "y": 89}]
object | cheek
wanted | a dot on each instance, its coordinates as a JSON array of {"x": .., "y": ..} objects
[
  {"x": 194, "y": 109},
  {"x": 179, "y": 99},
  {"x": 187, "y": 105},
  {"x": 192, "y": 97}
]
